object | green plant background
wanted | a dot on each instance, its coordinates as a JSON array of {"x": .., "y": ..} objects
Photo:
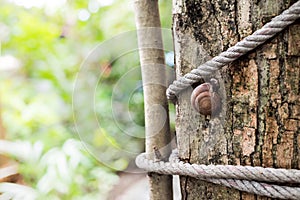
[{"x": 47, "y": 48}]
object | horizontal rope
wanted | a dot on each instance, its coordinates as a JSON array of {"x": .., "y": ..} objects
[
  {"x": 256, "y": 180},
  {"x": 249, "y": 43}
]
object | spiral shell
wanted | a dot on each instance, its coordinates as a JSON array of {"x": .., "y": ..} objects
[{"x": 205, "y": 101}]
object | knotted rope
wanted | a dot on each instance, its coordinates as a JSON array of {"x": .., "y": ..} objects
[
  {"x": 256, "y": 180},
  {"x": 249, "y": 43}
]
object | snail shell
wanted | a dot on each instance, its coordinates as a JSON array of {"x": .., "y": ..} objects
[{"x": 205, "y": 101}]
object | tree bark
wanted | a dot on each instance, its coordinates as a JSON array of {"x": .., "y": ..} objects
[
  {"x": 152, "y": 60},
  {"x": 260, "y": 118}
]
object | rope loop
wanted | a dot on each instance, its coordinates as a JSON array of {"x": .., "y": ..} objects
[{"x": 256, "y": 180}]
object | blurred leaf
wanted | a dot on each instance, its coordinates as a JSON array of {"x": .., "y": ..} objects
[
  {"x": 42, "y": 50},
  {"x": 16, "y": 192}
]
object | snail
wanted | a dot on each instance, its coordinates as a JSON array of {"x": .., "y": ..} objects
[{"x": 204, "y": 100}]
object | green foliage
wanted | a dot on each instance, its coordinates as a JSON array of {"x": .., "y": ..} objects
[
  {"x": 36, "y": 97},
  {"x": 62, "y": 172}
]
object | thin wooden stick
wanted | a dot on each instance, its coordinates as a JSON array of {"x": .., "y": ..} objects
[{"x": 154, "y": 84}]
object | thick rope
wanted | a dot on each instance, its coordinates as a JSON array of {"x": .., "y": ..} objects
[
  {"x": 256, "y": 180},
  {"x": 249, "y": 43}
]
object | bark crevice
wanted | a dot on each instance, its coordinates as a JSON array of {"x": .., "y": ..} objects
[{"x": 259, "y": 125}]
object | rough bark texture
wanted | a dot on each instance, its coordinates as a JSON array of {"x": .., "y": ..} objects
[
  {"x": 260, "y": 118},
  {"x": 154, "y": 86}
]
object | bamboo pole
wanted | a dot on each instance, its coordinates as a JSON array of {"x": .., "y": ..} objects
[{"x": 154, "y": 85}]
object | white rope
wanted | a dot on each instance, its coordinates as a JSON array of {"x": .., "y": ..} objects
[
  {"x": 247, "y": 44},
  {"x": 256, "y": 180}
]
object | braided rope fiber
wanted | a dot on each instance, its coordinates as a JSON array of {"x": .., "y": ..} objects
[
  {"x": 256, "y": 180},
  {"x": 249, "y": 43}
]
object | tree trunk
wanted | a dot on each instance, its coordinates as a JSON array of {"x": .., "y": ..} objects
[
  {"x": 153, "y": 67},
  {"x": 260, "y": 118}
]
